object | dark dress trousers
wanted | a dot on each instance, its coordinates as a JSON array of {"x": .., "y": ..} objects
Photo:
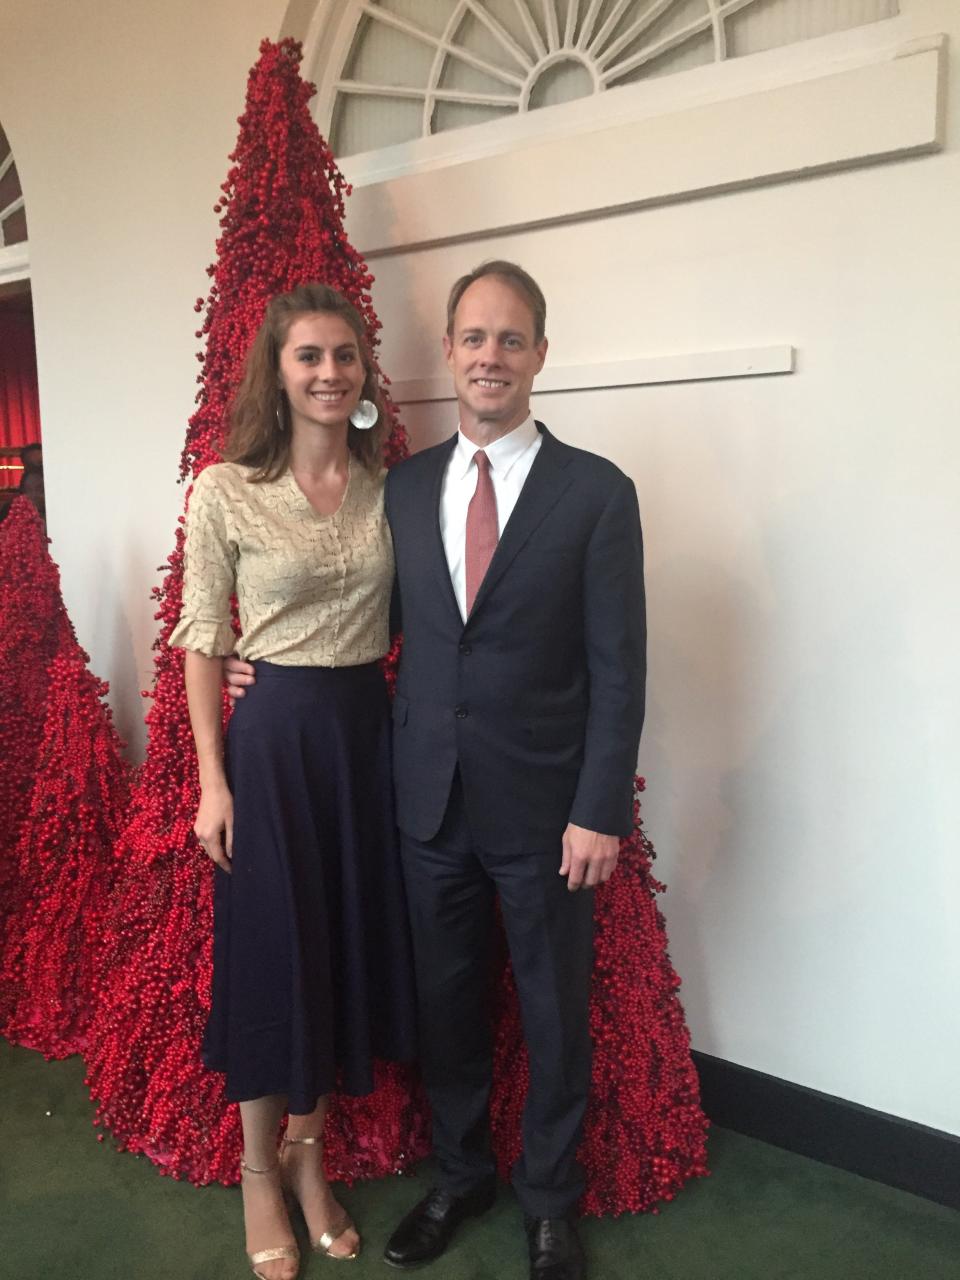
[{"x": 506, "y": 728}]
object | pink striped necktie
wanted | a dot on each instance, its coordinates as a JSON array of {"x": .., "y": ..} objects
[{"x": 483, "y": 532}]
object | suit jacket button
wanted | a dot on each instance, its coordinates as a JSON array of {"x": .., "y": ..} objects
[
  {"x": 461, "y": 713},
  {"x": 466, "y": 649}
]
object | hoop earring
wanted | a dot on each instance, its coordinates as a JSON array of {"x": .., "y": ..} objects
[
  {"x": 365, "y": 415},
  {"x": 281, "y": 425}
]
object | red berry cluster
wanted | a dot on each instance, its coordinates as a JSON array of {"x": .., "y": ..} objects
[
  {"x": 74, "y": 787},
  {"x": 30, "y": 628}
]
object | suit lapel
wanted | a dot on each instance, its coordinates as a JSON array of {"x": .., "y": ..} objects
[{"x": 545, "y": 485}]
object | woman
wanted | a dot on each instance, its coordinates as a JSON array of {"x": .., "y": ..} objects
[{"x": 312, "y": 974}]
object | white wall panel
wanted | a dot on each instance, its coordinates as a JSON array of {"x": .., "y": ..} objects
[
  {"x": 121, "y": 118},
  {"x": 803, "y": 562}
]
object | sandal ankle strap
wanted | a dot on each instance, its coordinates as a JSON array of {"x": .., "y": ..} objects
[
  {"x": 306, "y": 1142},
  {"x": 248, "y": 1168}
]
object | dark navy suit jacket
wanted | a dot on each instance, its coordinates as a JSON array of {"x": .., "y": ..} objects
[{"x": 539, "y": 697}]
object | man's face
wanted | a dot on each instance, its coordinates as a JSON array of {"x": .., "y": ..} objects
[
  {"x": 493, "y": 356},
  {"x": 31, "y": 486}
]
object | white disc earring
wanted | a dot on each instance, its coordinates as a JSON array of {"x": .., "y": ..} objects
[{"x": 365, "y": 415}]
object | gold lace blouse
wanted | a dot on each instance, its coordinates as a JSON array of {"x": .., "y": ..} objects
[{"x": 312, "y": 590}]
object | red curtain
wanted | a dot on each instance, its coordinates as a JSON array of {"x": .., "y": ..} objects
[{"x": 19, "y": 398}]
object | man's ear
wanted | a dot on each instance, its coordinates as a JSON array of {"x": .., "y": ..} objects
[
  {"x": 541, "y": 350},
  {"x": 447, "y": 348}
]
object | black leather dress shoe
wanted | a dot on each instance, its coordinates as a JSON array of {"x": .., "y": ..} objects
[
  {"x": 555, "y": 1249},
  {"x": 428, "y": 1228}
]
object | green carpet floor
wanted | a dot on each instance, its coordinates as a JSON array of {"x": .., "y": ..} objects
[{"x": 73, "y": 1208}]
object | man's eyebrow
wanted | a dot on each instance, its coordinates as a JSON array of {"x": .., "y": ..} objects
[{"x": 502, "y": 333}]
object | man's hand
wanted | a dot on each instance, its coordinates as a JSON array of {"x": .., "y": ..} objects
[
  {"x": 238, "y": 674},
  {"x": 589, "y": 858},
  {"x": 214, "y": 824}
]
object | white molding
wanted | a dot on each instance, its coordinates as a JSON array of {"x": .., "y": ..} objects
[
  {"x": 700, "y": 86},
  {"x": 15, "y": 262},
  {"x": 325, "y": 47},
  {"x": 877, "y": 107},
  {"x": 744, "y": 362}
]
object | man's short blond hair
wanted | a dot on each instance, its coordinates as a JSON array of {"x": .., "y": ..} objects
[{"x": 512, "y": 275}]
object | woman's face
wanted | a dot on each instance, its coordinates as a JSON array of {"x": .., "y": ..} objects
[{"x": 321, "y": 371}]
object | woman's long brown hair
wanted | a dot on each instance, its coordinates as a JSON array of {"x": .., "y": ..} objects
[{"x": 257, "y": 439}]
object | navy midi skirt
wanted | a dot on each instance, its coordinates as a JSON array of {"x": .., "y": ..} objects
[{"x": 312, "y": 972}]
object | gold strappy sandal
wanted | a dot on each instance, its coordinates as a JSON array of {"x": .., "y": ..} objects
[
  {"x": 269, "y": 1255},
  {"x": 342, "y": 1224}
]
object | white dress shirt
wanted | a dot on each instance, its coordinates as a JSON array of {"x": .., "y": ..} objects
[{"x": 511, "y": 458}]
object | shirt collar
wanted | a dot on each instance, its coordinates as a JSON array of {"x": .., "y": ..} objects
[{"x": 503, "y": 453}]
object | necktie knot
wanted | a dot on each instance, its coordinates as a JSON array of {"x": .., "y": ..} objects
[{"x": 482, "y": 461}]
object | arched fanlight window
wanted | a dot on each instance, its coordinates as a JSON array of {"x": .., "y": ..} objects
[
  {"x": 391, "y": 71},
  {"x": 19, "y": 396},
  {"x": 13, "y": 215}
]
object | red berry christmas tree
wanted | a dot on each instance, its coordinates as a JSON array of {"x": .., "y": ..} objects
[
  {"x": 31, "y": 622},
  {"x": 73, "y": 787},
  {"x": 65, "y": 859},
  {"x": 281, "y": 224}
]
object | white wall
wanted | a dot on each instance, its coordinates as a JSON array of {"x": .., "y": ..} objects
[
  {"x": 803, "y": 556},
  {"x": 121, "y": 116},
  {"x": 802, "y": 531}
]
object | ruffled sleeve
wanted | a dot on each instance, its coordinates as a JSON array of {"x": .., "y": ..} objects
[{"x": 209, "y": 574}]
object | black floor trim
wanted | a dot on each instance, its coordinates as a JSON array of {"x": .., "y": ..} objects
[{"x": 873, "y": 1144}]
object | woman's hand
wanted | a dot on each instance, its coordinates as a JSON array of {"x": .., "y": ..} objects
[
  {"x": 203, "y": 677},
  {"x": 214, "y": 824}
]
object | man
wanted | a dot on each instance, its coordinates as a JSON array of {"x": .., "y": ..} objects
[{"x": 517, "y": 719}]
